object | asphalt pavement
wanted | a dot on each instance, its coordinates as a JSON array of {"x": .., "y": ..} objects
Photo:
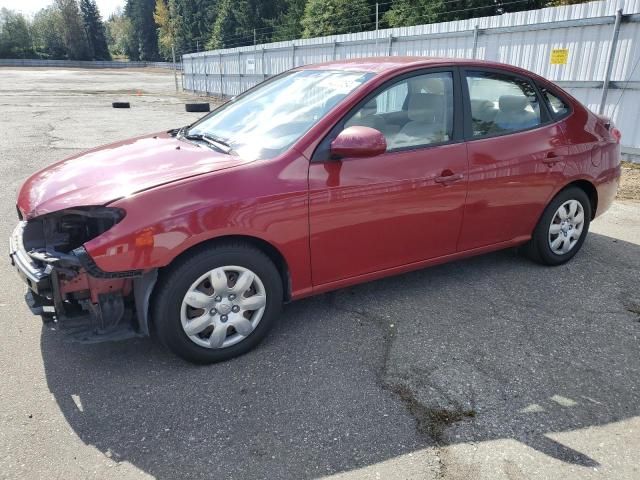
[{"x": 487, "y": 368}]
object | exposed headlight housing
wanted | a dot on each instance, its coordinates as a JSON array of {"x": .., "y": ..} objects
[{"x": 68, "y": 229}]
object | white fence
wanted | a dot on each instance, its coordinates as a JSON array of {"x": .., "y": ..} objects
[{"x": 526, "y": 39}]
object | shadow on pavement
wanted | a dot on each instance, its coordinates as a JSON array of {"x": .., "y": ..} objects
[
  {"x": 487, "y": 348},
  {"x": 306, "y": 403}
]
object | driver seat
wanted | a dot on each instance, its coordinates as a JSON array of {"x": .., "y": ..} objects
[{"x": 426, "y": 118}]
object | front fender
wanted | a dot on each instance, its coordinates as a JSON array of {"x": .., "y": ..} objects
[{"x": 253, "y": 200}]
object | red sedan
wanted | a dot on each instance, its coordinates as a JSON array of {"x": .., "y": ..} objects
[{"x": 322, "y": 177}]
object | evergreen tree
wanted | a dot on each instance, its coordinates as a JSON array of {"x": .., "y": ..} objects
[
  {"x": 145, "y": 33},
  {"x": 410, "y": 12},
  {"x": 416, "y": 12},
  {"x": 288, "y": 25},
  {"x": 74, "y": 37},
  {"x": 234, "y": 25},
  {"x": 66, "y": 30},
  {"x": 332, "y": 17},
  {"x": 95, "y": 30},
  {"x": 557, "y": 3},
  {"x": 239, "y": 22},
  {"x": 197, "y": 18}
]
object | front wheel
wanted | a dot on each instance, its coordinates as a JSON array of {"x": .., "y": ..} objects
[
  {"x": 562, "y": 228},
  {"x": 217, "y": 304}
]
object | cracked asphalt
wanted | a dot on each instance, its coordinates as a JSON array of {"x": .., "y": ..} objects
[{"x": 486, "y": 368}]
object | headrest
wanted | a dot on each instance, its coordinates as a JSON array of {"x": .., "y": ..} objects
[
  {"x": 425, "y": 107},
  {"x": 427, "y": 84},
  {"x": 477, "y": 105},
  {"x": 513, "y": 103},
  {"x": 483, "y": 110},
  {"x": 434, "y": 85}
]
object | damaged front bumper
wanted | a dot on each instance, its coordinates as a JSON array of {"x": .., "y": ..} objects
[{"x": 89, "y": 304}]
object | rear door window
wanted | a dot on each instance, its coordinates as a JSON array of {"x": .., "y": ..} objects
[
  {"x": 558, "y": 107},
  {"x": 501, "y": 104}
]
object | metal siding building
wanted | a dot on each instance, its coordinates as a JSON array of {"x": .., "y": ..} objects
[{"x": 525, "y": 39}]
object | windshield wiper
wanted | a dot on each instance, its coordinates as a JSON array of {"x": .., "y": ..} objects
[
  {"x": 215, "y": 142},
  {"x": 176, "y": 132}
]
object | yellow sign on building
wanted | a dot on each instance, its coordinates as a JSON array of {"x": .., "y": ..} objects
[{"x": 559, "y": 56}]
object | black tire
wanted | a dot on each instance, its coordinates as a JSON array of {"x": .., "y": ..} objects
[
  {"x": 538, "y": 248},
  {"x": 121, "y": 105},
  {"x": 197, "y": 107},
  {"x": 177, "y": 279}
]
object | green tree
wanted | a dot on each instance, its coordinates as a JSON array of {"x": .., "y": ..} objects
[
  {"x": 232, "y": 25},
  {"x": 332, "y": 17},
  {"x": 47, "y": 31},
  {"x": 288, "y": 25},
  {"x": 120, "y": 38},
  {"x": 558, "y": 3},
  {"x": 404, "y": 13},
  {"x": 197, "y": 18},
  {"x": 168, "y": 21},
  {"x": 74, "y": 37},
  {"x": 15, "y": 37},
  {"x": 409, "y": 12},
  {"x": 95, "y": 30},
  {"x": 145, "y": 33},
  {"x": 238, "y": 20}
]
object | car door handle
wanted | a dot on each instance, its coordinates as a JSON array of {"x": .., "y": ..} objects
[{"x": 448, "y": 177}]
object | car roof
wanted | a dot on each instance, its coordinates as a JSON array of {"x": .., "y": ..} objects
[{"x": 390, "y": 64}]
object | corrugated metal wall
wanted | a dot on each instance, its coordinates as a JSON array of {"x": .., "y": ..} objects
[{"x": 524, "y": 39}]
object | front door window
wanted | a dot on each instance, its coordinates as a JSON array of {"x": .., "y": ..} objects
[{"x": 414, "y": 112}]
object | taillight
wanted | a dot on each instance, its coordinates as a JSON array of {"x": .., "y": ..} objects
[{"x": 616, "y": 134}]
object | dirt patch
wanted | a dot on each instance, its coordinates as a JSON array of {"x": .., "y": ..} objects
[
  {"x": 629, "y": 182},
  {"x": 430, "y": 421},
  {"x": 106, "y": 70},
  {"x": 632, "y": 305}
]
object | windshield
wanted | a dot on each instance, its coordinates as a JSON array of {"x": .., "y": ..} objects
[{"x": 269, "y": 119}]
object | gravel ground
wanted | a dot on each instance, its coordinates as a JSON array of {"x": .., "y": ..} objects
[
  {"x": 630, "y": 182},
  {"x": 487, "y": 368}
]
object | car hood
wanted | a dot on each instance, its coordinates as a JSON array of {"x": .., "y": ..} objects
[{"x": 110, "y": 172}]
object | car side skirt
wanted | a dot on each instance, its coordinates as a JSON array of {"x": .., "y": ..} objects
[{"x": 347, "y": 282}]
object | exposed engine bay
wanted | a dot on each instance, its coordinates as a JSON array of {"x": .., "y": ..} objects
[{"x": 67, "y": 288}]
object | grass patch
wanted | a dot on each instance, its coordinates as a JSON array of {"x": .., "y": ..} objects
[{"x": 631, "y": 165}]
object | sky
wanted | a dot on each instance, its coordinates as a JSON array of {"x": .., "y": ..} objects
[{"x": 29, "y": 7}]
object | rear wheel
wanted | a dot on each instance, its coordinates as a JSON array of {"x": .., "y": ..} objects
[
  {"x": 217, "y": 304},
  {"x": 562, "y": 228}
]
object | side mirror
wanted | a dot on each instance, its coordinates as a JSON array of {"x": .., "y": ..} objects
[{"x": 357, "y": 142}]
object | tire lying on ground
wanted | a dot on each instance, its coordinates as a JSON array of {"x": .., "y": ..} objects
[
  {"x": 121, "y": 105},
  {"x": 197, "y": 107}
]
